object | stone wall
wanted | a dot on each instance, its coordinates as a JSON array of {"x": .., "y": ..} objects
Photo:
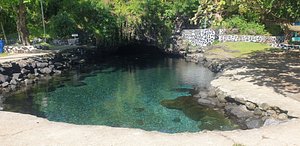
[
  {"x": 199, "y": 37},
  {"x": 19, "y": 49},
  {"x": 205, "y": 37},
  {"x": 272, "y": 40}
]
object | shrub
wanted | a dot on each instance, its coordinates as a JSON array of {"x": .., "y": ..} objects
[
  {"x": 62, "y": 25},
  {"x": 274, "y": 29},
  {"x": 244, "y": 27}
]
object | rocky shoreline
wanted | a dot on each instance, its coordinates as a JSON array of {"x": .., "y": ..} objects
[
  {"x": 247, "y": 114},
  {"x": 26, "y": 72}
]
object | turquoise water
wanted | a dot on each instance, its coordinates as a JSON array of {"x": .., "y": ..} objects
[{"x": 151, "y": 94}]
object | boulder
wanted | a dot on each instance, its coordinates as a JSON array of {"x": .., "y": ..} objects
[
  {"x": 13, "y": 87},
  {"x": 2, "y": 70},
  {"x": 240, "y": 100},
  {"x": 264, "y": 106},
  {"x": 25, "y": 71},
  {"x": 22, "y": 63},
  {"x": 250, "y": 105},
  {"x": 271, "y": 113},
  {"x": 282, "y": 116},
  {"x": 254, "y": 122},
  {"x": 36, "y": 73},
  {"x": 257, "y": 112},
  {"x": 3, "y": 78},
  {"x": 5, "y": 84},
  {"x": 28, "y": 81},
  {"x": 16, "y": 76},
  {"x": 57, "y": 72},
  {"x": 211, "y": 93},
  {"x": 41, "y": 64},
  {"x": 203, "y": 95},
  {"x": 13, "y": 82},
  {"x": 239, "y": 112},
  {"x": 46, "y": 70}
]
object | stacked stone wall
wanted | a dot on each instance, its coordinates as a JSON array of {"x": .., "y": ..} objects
[{"x": 206, "y": 37}]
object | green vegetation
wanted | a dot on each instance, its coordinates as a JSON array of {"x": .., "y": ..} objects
[
  {"x": 237, "y": 49},
  {"x": 113, "y": 22},
  {"x": 244, "y": 27}
]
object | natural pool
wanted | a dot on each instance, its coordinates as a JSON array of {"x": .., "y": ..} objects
[{"x": 150, "y": 93}]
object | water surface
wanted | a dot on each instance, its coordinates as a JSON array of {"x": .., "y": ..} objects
[{"x": 134, "y": 92}]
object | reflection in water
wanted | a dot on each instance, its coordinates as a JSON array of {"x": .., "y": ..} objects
[{"x": 123, "y": 92}]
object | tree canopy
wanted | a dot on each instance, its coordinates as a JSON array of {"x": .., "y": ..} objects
[{"x": 110, "y": 22}]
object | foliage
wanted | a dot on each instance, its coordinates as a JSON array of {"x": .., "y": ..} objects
[
  {"x": 208, "y": 13},
  {"x": 62, "y": 25},
  {"x": 244, "y": 27},
  {"x": 274, "y": 29},
  {"x": 119, "y": 21}
]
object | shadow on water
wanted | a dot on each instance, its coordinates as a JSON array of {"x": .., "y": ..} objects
[{"x": 210, "y": 119}]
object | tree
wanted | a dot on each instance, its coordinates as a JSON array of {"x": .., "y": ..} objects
[
  {"x": 19, "y": 6},
  {"x": 208, "y": 13},
  {"x": 283, "y": 12}
]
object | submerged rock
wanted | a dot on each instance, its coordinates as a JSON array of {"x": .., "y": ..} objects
[
  {"x": 195, "y": 112},
  {"x": 179, "y": 103},
  {"x": 211, "y": 102},
  {"x": 177, "y": 120},
  {"x": 254, "y": 122},
  {"x": 213, "y": 123}
]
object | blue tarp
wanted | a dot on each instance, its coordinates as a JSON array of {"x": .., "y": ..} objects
[{"x": 1, "y": 46}]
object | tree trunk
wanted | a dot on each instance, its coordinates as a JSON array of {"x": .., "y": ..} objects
[
  {"x": 3, "y": 31},
  {"x": 98, "y": 42},
  {"x": 21, "y": 23},
  {"x": 287, "y": 33}
]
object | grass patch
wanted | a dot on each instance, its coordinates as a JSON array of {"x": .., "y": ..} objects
[
  {"x": 3, "y": 54},
  {"x": 238, "y": 49}
]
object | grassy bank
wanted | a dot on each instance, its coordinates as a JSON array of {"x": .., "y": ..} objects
[{"x": 236, "y": 49}]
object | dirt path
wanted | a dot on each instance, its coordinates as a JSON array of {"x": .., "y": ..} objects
[
  {"x": 16, "y": 57},
  {"x": 19, "y": 129}
]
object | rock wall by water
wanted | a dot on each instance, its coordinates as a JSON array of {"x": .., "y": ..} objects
[
  {"x": 17, "y": 74},
  {"x": 19, "y": 49},
  {"x": 272, "y": 40},
  {"x": 199, "y": 37},
  {"x": 205, "y": 37}
]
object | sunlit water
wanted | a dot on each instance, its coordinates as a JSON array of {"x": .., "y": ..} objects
[{"x": 126, "y": 92}]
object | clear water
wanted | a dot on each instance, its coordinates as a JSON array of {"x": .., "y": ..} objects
[{"x": 153, "y": 94}]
